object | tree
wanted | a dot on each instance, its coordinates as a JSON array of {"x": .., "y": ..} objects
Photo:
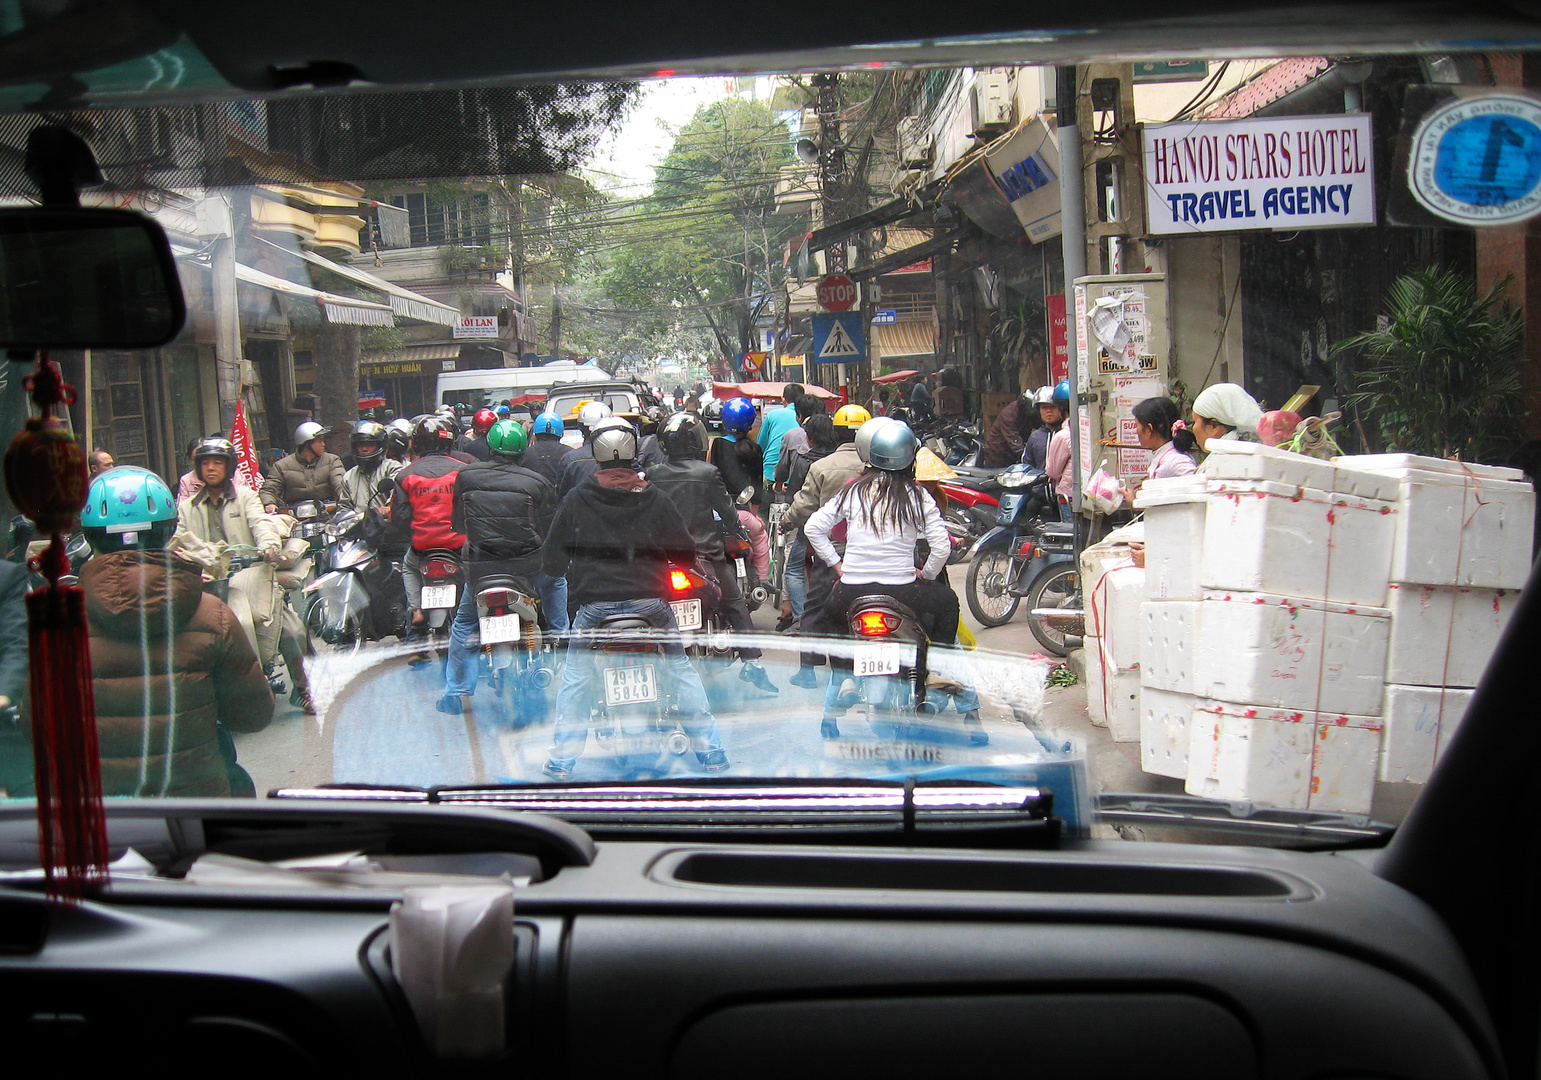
[
  {"x": 702, "y": 254},
  {"x": 1444, "y": 376}
]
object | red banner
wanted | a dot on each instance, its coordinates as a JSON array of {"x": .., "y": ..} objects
[
  {"x": 1059, "y": 345},
  {"x": 247, "y": 472}
]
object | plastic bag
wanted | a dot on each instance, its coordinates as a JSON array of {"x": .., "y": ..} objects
[{"x": 1102, "y": 493}]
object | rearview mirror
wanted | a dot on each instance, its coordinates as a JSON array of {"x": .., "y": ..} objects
[{"x": 73, "y": 278}]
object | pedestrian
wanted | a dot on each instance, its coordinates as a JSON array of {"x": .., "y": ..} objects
[
  {"x": 100, "y": 461},
  {"x": 173, "y": 673},
  {"x": 615, "y": 539},
  {"x": 819, "y": 432},
  {"x": 1160, "y": 429},
  {"x": 774, "y": 424},
  {"x": 1009, "y": 434}
]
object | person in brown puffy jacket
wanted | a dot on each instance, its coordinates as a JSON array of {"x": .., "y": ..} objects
[{"x": 170, "y": 663}]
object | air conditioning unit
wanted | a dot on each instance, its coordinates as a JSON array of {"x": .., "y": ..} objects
[
  {"x": 993, "y": 101},
  {"x": 916, "y": 147}
]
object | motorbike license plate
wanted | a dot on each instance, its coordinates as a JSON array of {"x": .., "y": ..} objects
[
  {"x": 876, "y": 660},
  {"x": 438, "y": 596},
  {"x": 630, "y": 685},
  {"x": 687, "y": 614},
  {"x": 497, "y": 629}
]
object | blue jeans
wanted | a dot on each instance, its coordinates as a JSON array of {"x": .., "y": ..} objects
[
  {"x": 553, "y": 600},
  {"x": 576, "y": 693},
  {"x": 797, "y": 573},
  {"x": 465, "y": 642}
]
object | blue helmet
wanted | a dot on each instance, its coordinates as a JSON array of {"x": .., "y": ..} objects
[
  {"x": 500, "y": 410},
  {"x": 128, "y": 507},
  {"x": 738, "y": 416},
  {"x": 1062, "y": 394},
  {"x": 549, "y": 423}
]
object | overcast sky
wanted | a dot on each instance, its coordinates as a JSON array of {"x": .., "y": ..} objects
[{"x": 626, "y": 160}]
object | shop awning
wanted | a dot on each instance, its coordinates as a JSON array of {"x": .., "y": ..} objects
[
  {"x": 335, "y": 309},
  {"x": 436, "y": 350},
  {"x": 404, "y": 302},
  {"x": 906, "y": 340}
]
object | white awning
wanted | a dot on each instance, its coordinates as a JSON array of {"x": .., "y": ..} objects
[
  {"x": 404, "y": 302},
  {"x": 335, "y": 309}
]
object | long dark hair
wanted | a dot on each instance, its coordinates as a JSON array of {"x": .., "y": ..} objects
[
  {"x": 890, "y": 496},
  {"x": 1159, "y": 414}
]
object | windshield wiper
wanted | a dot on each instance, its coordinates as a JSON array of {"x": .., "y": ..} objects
[
  {"x": 801, "y": 804},
  {"x": 1303, "y": 826}
]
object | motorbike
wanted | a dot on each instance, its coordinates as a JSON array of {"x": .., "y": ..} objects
[
  {"x": 517, "y": 655},
  {"x": 636, "y": 719},
  {"x": 360, "y": 596},
  {"x": 442, "y": 575},
  {"x": 23, "y": 534},
  {"x": 972, "y": 511},
  {"x": 1030, "y": 553},
  {"x": 741, "y": 556},
  {"x": 697, "y": 604},
  {"x": 956, "y": 442}
]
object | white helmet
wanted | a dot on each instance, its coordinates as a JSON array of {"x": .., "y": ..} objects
[
  {"x": 592, "y": 413},
  {"x": 308, "y": 432},
  {"x": 1044, "y": 396},
  {"x": 615, "y": 442}
]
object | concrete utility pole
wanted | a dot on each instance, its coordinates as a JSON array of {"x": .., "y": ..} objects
[
  {"x": 227, "y": 310},
  {"x": 831, "y": 187},
  {"x": 1072, "y": 209}
]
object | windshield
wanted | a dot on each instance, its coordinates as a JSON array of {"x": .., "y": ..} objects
[{"x": 1258, "y": 325}]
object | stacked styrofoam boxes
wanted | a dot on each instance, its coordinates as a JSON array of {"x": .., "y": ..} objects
[
  {"x": 1460, "y": 553},
  {"x": 1113, "y": 588},
  {"x": 1263, "y": 635}
]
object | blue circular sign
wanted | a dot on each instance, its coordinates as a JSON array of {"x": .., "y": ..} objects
[{"x": 1477, "y": 160}]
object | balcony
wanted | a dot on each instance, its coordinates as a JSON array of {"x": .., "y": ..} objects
[{"x": 797, "y": 191}]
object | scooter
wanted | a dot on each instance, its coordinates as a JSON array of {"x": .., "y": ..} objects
[
  {"x": 972, "y": 511},
  {"x": 697, "y": 604},
  {"x": 636, "y": 719},
  {"x": 441, "y": 572},
  {"x": 360, "y": 596},
  {"x": 518, "y": 658}
]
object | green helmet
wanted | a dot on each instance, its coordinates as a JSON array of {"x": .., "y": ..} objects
[{"x": 507, "y": 438}]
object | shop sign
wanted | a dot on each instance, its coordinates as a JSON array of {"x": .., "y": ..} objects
[
  {"x": 411, "y": 367},
  {"x": 1477, "y": 160},
  {"x": 1059, "y": 343},
  {"x": 1026, "y": 169},
  {"x": 476, "y": 326},
  {"x": 885, "y": 317},
  {"x": 1287, "y": 172}
]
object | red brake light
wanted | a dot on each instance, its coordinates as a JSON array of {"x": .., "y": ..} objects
[
  {"x": 1026, "y": 550},
  {"x": 876, "y": 623},
  {"x": 495, "y": 598},
  {"x": 679, "y": 581},
  {"x": 439, "y": 568}
]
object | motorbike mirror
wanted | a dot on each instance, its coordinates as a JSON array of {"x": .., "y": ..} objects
[
  {"x": 745, "y": 496},
  {"x": 73, "y": 278}
]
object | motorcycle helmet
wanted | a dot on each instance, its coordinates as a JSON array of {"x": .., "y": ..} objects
[
  {"x": 433, "y": 435},
  {"x": 886, "y": 443},
  {"x": 549, "y": 423},
  {"x": 307, "y": 433},
  {"x": 1044, "y": 395},
  {"x": 501, "y": 411},
  {"x": 615, "y": 442},
  {"x": 738, "y": 416},
  {"x": 851, "y": 416},
  {"x": 592, "y": 413},
  {"x": 1062, "y": 395},
  {"x": 482, "y": 422},
  {"x": 215, "y": 447},
  {"x": 711, "y": 416},
  {"x": 398, "y": 436},
  {"x": 128, "y": 507},
  {"x": 683, "y": 436},
  {"x": 368, "y": 442},
  {"x": 507, "y": 439}
]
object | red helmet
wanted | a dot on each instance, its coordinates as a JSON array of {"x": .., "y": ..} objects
[{"x": 482, "y": 422}]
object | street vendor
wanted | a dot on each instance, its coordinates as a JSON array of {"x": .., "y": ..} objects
[
  {"x": 1225, "y": 411},
  {"x": 1160, "y": 429}
]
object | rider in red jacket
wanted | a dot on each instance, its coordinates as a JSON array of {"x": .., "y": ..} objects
[{"x": 424, "y": 501}]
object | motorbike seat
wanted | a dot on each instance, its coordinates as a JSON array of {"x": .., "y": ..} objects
[{"x": 1057, "y": 530}]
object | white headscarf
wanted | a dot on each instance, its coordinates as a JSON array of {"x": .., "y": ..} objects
[{"x": 1230, "y": 405}]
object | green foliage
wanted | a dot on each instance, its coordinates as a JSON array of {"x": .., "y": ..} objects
[
  {"x": 1063, "y": 676},
  {"x": 1444, "y": 375},
  {"x": 381, "y": 342}
]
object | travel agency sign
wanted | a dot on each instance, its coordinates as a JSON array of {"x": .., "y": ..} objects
[{"x": 1287, "y": 172}]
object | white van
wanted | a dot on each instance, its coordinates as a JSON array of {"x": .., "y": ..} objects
[{"x": 489, "y": 386}]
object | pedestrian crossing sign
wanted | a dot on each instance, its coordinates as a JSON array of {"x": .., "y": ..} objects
[{"x": 838, "y": 338}]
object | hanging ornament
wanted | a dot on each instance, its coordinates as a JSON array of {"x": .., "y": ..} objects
[{"x": 45, "y": 474}]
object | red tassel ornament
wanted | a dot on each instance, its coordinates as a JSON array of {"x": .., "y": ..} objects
[{"x": 45, "y": 473}]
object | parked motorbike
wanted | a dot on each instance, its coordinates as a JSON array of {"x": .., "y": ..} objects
[
  {"x": 956, "y": 442},
  {"x": 517, "y": 656},
  {"x": 972, "y": 511},
  {"x": 360, "y": 596},
  {"x": 1030, "y": 553}
]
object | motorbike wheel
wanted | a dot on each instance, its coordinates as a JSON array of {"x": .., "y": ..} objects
[
  {"x": 989, "y": 579},
  {"x": 959, "y": 517},
  {"x": 1056, "y": 586}
]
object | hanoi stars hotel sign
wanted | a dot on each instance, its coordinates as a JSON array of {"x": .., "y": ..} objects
[{"x": 1288, "y": 172}]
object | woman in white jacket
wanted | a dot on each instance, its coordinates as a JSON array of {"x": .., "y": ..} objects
[{"x": 886, "y": 513}]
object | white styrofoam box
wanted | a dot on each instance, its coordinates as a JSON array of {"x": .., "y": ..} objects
[
  {"x": 1112, "y": 698},
  {"x": 1444, "y": 635},
  {"x": 1457, "y": 524},
  {"x": 1164, "y": 720},
  {"x": 1277, "y": 757},
  {"x": 1231, "y": 459},
  {"x": 1174, "y": 511},
  {"x": 1113, "y": 599},
  {"x": 1274, "y": 538},
  {"x": 1169, "y": 634},
  {"x": 1285, "y": 652},
  {"x": 1419, "y": 722}
]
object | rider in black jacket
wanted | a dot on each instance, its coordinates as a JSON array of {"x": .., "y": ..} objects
[
  {"x": 697, "y": 491},
  {"x": 504, "y": 512}
]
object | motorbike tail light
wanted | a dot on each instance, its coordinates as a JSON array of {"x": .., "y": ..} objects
[
  {"x": 440, "y": 568},
  {"x": 679, "y": 581},
  {"x": 1027, "y": 550},
  {"x": 495, "y": 598},
  {"x": 876, "y": 623}
]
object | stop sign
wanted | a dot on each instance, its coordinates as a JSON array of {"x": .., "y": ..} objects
[{"x": 837, "y": 293}]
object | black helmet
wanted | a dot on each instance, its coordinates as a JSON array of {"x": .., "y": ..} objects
[
  {"x": 711, "y": 415},
  {"x": 370, "y": 436},
  {"x": 215, "y": 447},
  {"x": 434, "y": 435},
  {"x": 683, "y": 436}
]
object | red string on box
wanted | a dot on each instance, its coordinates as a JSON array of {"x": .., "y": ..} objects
[{"x": 45, "y": 474}]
